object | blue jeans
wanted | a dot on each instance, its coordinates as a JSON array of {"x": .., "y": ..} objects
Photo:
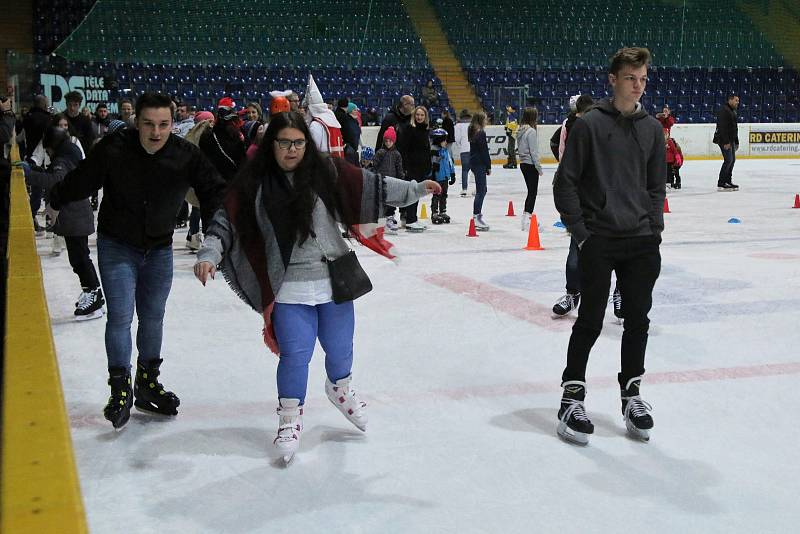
[
  {"x": 297, "y": 327},
  {"x": 480, "y": 189},
  {"x": 729, "y": 159},
  {"x": 133, "y": 278},
  {"x": 464, "y": 170}
]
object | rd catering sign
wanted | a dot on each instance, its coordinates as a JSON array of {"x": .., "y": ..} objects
[{"x": 775, "y": 142}]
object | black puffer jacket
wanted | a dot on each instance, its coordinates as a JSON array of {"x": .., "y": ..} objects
[
  {"x": 394, "y": 118},
  {"x": 414, "y": 146},
  {"x": 75, "y": 218},
  {"x": 141, "y": 192},
  {"x": 226, "y": 153}
]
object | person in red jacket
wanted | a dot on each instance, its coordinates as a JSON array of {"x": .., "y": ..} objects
[
  {"x": 666, "y": 118},
  {"x": 674, "y": 161}
]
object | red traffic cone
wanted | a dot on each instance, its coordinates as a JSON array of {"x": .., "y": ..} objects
[
  {"x": 472, "y": 232},
  {"x": 796, "y": 201},
  {"x": 533, "y": 235},
  {"x": 510, "y": 210},
  {"x": 666, "y": 205}
]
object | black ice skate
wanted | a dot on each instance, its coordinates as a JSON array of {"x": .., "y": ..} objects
[
  {"x": 445, "y": 218},
  {"x": 566, "y": 304},
  {"x": 573, "y": 425},
  {"x": 636, "y": 411},
  {"x": 616, "y": 299},
  {"x": 118, "y": 408},
  {"x": 727, "y": 187},
  {"x": 436, "y": 218},
  {"x": 150, "y": 394},
  {"x": 90, "y": 304}
]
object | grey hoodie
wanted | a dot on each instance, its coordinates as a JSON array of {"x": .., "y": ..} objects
[{"x": 612, "y": 178}]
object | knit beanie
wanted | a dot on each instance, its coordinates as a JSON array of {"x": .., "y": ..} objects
[{"x": 390, "y": 134}]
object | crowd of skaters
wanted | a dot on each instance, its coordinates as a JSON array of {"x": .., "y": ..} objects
[{"x": 288, "y": 179}]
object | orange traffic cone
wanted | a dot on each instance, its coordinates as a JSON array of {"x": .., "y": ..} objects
[
  {"x": 666, "y": 205},
  {"x": 472, "y": 232},
  {"x": 510, "y": 210},
  {"x": 533, "y": 235},
  {"x": 796, "y": 201}
]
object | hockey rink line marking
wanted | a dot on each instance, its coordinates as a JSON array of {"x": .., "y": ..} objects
[
  {"x": 610, "y": 382},
  {"x": 499, "y": 300}
]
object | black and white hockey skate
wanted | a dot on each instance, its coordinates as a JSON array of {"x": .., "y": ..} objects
[
  {"x": 445, "y": 218},
  {"x": 118, "y": 408},
  {"x": 616, "y": 299},
  {"x": 728, "y": 186},
  {"x": 436, "y": 218},
  {"x": 636, "y": 412},
  {"x": 566, "y": 304},
  {"x": 573, "y": 424},
  {"x": 90, "y": 304},
  {"x": 151, "y": 397}
]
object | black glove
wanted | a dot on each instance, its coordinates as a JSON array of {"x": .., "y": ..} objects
[{"x": 452, "y": 179}]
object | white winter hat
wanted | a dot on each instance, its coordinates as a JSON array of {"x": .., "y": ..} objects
[
  {"x": 573, "y": 102},
  {"x": 317, "y": 107}
]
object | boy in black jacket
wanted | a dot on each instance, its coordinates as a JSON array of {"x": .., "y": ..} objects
[
  {"x": 610, "y": 191},
  {"x": 145, "y": 174}
]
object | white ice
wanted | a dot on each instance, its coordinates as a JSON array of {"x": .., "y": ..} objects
[{"x": 460, "y": 361}]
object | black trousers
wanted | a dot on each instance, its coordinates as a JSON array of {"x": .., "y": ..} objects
[
  {"x": 81, "y": 261},
  {"x": 673, "y": 175},
  {"x": 531, "y": 176},
  {"x": 637, "y": 262},
  {"x": 512, "y": 150},
  {"x": 439, "y": 202}
]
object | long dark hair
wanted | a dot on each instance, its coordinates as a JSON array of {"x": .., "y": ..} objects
[
  {"x": 477, "y": 124},
  {"x": 314, "y": 177}
]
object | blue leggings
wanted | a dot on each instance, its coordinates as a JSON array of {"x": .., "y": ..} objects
[{"x": 297, "y": 327}]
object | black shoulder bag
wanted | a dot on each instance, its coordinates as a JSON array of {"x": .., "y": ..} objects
[{"x": 348, "y": 279}]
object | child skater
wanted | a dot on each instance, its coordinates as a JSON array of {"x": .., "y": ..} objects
[
  {"x": 389, "y": 162},
  {"x": 674, "y": 161},
  {"x": 443, "y": 170}
]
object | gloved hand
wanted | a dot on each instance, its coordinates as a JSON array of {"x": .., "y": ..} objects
[{"x": 452, "y": 179}]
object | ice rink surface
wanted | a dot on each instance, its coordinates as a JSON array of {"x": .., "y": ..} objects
[{"x": 459, "y": 360}]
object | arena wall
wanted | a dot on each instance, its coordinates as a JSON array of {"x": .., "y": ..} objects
[{"x": 779, "y": 140}]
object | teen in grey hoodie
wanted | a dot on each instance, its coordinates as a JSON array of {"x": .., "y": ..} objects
[{"x": 610, "y": 191}]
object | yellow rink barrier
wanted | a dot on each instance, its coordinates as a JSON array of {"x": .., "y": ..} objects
[{"x": 39, "y": 490}]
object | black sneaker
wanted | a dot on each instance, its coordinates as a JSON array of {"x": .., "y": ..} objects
[
  {"x": 573, "y": 425},
  {"x": 636, "y": 412},
  {"x": 566, "y": 304},
  {"x": 90, "y": 304},
  {"x": 151, "y": 397},
  {"x": 118, "y": 408}
]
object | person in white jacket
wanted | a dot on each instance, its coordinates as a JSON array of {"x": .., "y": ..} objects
[
  {"x": 462, "y": 141},
  {"x": 529, "y": 164}
]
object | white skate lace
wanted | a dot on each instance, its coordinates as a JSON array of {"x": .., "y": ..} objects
[
  {"x": 85, "y": 300},
  {"x": 617, "y": 299},
  {"x": 576, "y": 410},
  {"x": 636, "y": 407},
  {"x": 566, "y": 302}
]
